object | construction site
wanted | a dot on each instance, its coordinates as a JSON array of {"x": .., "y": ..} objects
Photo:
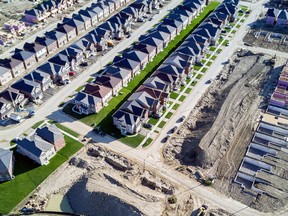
[
  {"x": 211, "y": 144},
  {"x": 98, "y": 175}
]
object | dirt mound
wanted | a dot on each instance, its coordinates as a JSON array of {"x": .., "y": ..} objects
[{"x": 85, "y": 200}]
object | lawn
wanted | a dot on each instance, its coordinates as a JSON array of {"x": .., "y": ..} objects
[
  {"x": 238, "y": 26},
  {"x": 148, "y": 142},
  {"x": 196, "y": 67},
  {"x": 213, "y": 57},
  {"x": 199, "y": 76},
  {"x": 234, "y": 31},
  {"x": 175, "y": 107},
  {"x": 103, "y": 118},
  {"x": 213, "y": 48},
  {"x": 161, "y": 125},
  {"x": 63, "y": 128},
  {"x": 36, "y": 125},
  {"x": 168, "y": 115},
  {"x": 209, "y": 63},
  {"x": 225, "y": 42},
  {"x": 28, "y": 175},
  {"x": 174, "y": 95},
  {"x": 90, "y": 80},
  {"x": 208, "y": 56},
  {"x": 219, "y": 51},
  {"x": 188, "y": 90},
  {"x": 153, "y": 121},
  {"x": 182, "y": 98},
  {"x": 132, "y": 141},
  {"x": 194, "y": 83},
  {"x": 79, "y": 89},
  {"x": 204, "y": 70}
]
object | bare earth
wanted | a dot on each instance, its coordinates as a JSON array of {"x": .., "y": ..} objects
[{"x": 215, "y": 136}]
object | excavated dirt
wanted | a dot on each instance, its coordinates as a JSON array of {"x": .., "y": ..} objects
[{"x": 213, "y": 140}]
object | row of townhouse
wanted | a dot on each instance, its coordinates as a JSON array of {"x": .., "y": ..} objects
[
  {"x": 24, "y": 59},
  {"x": 279, "y": 97},
  {"x": 277, "y": 17},
  {"x": 39, "y": 147},
  {"x": 58, "y": 67},
  {"x": 151, "y": 98},
  {"x": 268, "y": 147},
  {"x": 125, "y": 67}
]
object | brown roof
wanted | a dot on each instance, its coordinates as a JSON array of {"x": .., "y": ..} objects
[
  {"x": 155, "y": 93},
  {"x": 107, "y": 81},
  {"x": 97, "y": 90}
]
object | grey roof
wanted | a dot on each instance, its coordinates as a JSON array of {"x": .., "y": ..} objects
[
  {"x": 126, "y": 63},
  {"x": 5, "y": 158},
  {"x": 23, "y": 55},
  {"x": 128, "y": 118},
  {"x": 35, "y": 145},
  {"x": 4, "y": 70},
  {"x": 117, "y": 72},
  {"x": 25, "y": 85},
  {"x": 37, "y": 76},
  {"x": 134, "y": 107},
  {"x": 135, "y": 55},
  {"x": 87, "y": 98},
  {"x": 50, "y": 133}
]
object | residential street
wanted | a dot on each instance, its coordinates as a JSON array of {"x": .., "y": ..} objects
[
  {"x": 52, "y": 104},
  {"x": 151, "y": 156}
]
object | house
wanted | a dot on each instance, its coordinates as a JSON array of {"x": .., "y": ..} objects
[
  {"x": 163, "y": 36},
  {"x": 114, "y": 29},
  {"x": 117, "y": 4},
  {"x": 128, "y": 64},
  {"x": 28, "y": 58},
  {"x": 69, "y": 30},
  {"x": 136, "y": 108},
  {"x": 34, "y": 15},
  {"x": 157, "y": 83},
  {"x": 88, "y": 48},
  {"x": 153, "y": 41},
  {"x": 75, "y": 54},
  {"x": 198, "y": 39},
  {"x": 282, "y": 19},
  {"x": 6, "y": 108},
  {"x": 148, "y": 101},
  {"x": 86, "y": 103},
  {"x": 150, "y": 50},
  {"x": 111, "y": 82},
  {"x": 5, "y": 75},
  {"x": 105, "y": 33},
  {"x": 91, "y": 15},
  {"x": 50, "y": 44},
  {"x": 174, "y": 23},
  {"x": 32, "y": 90},
  {"x": 124, "y": 23},
  {"x": 36, "y": 149},
  {"x": 56, "y": 72},
  {"x": 181, "y": 61},
  {"x": 120, "y": 73},
  {"x": 181, "y": 18},
  {"x": 172, "y": 31},
  {"x": 39, "y": 50},
  {"x": 127, "y": 123},
  {"x": 271, "y": 16},
  {"x": 53, "y": 135},
  {"x": 191, "y": 49},
  {"x": 102, "y": 7},
  {"x": 83, "y": 19},
  {"x": 16, "y": 66},
  {"x": 99, "y": 42},
  {"x": 137, "y": 56},
  {"x": 155, "y": 93},
  {"x": 58, "y": 36},
  {"x": 40, "y": 77},
  {"x": 98, "y": 11},
  {"x": 63, "y": 60},
  {"x": 104, "y": 93},
  {"x": 209, "y": 30},
  {"x": 14, "y": 97},
  {"x": 174, "y": 71},
  {"x": 6, "y": 165},
  {"x": 131, "y": 11},
  {"x": 171, "y": 80}
]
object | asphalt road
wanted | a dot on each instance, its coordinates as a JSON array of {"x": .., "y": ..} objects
[{"x": 51, "y": 105}]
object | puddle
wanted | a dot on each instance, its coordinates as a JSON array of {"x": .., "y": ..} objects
[{"x": 59, "y": 202}]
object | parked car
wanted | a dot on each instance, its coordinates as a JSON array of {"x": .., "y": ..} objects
[
  {"x": 208, "y": 81},
  {"x": 174, "y": 129},
  {"x": 140, "y": 20},
  {"x": 223, "y": 31},
  {"x": 181, "y": 119},
  {"x": 150, "y": 18},
  {"x": 65, "y": 82},
  {"x": 147, "y": 125},
  {"x": 71, "y": 73},
  {"x": 84, "y": 64},
  {"x": 165, "y": 139}
]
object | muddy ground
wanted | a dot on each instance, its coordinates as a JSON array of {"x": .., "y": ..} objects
[{"x": 215, "y": 136}]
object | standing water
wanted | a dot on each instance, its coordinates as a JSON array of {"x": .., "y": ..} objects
[{"x": 59, "y": 202}]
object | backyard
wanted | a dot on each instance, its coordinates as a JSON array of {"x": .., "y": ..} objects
[
  {"x": 28, "y": 175},
  {"x": 103, "y": 118}
]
